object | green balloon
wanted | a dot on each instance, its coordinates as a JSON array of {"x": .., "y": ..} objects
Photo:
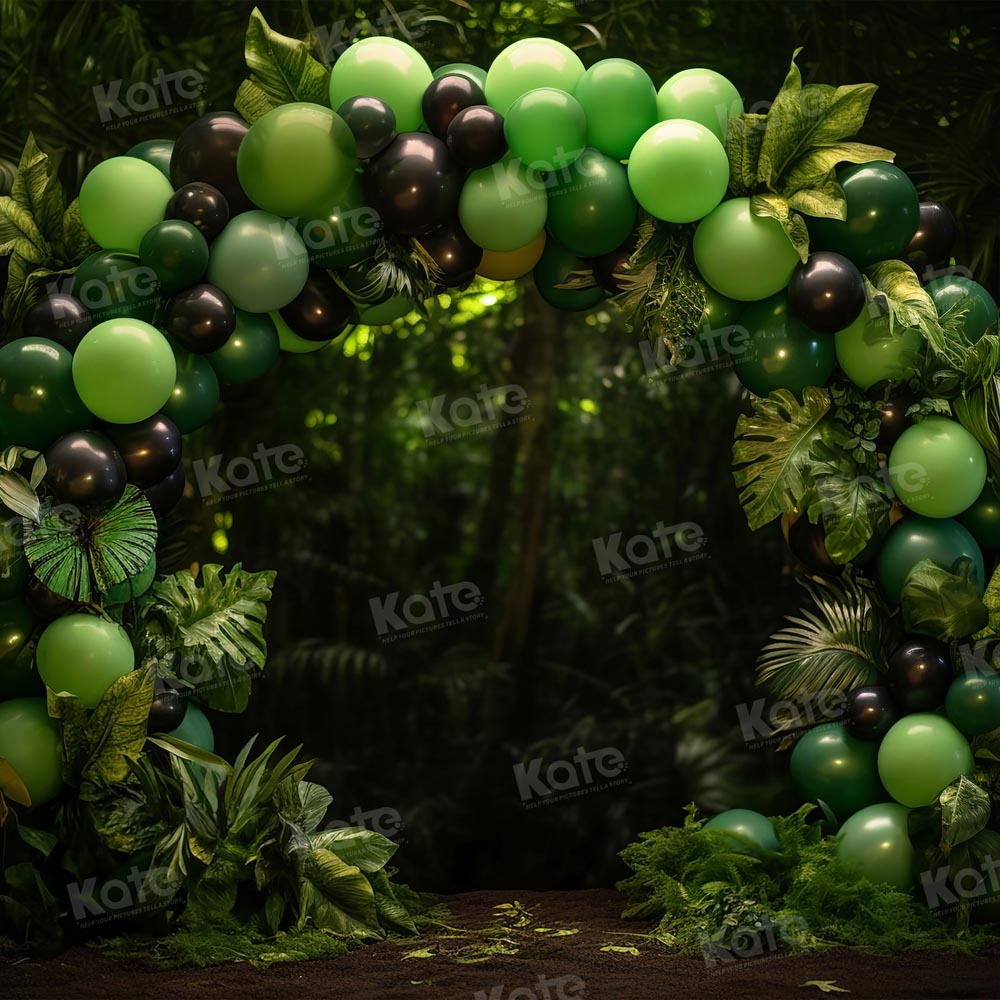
[
  {"x": 38, "y": 400},
  {"x": 386, "y": 311},
  {"x": 953, "y": 292},
  {"x": 503, "y": 207},
  {"x": 116, "y": 285},
  {"x": 973, "y": 703},
  {"x": 982, "y": 519},
  {"x": 937, "y": 467},
  {"x": 554, "y": 268},
  {"x": 702, "y": 96},
  {"x": 591, "y": 208},
  {"x": 470, "y": 72},
  {"x": 251, "y": 351},
  {"x": 385, "y": 68},
  {"x": 344, "y": 233},
  {"x": 123, "y": 370},
  {"x": 546, "y": 129},
  {"x": 195, "y": 729},
  {"x": 84, "y": 655},
  {"x": 132, "y": 588},
  {"x": 30, "y": 742},
  {"x": 297, "y": 159},
  {"x": 741, "y": 255},
  {"x": 920, "y": 756},
  {"x": 876, "y": 843},
  {"x": 120, "y": 199},
  {"x": 829, "y": 763},
  {"x": 619, "y": 100},
  {"x": 176, "y": 252},
  {"x": 916, "y": 538},
  {"x": 527, "y": 65},
  {"x": 870, "y": 351},
  {"x": 259, "y": 261},
  {"x": 749, "y": 825},
  {"x": 882, "y": 215},
  {"x": 719, "y": 311},
  {"x": 782, "y": 352},
  {"x": 17, "y": 678},
  {"x": 155, "y": 151},
  {"x": 195, "y": 393},
  {"x": 679, "y": 172},
  {"x": 290, "y": 342},
  {"x": 13, "y": 565}
]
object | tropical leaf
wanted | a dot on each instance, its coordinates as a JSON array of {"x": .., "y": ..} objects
[
  {"x": 774, "y": 206},
  {"x": 978, "y": 411},
  {"x": 943, "y": 603},
  {"x": 18, "y": 495},
  {"x": 744, "y": 136},
  {"x": 336, "y": 896},
  {"x": 11, "y": 784},
  {"x": 366, "y": 849},
  {"x": 965, "y": 810},
  {"x": 391, "y": 908}
]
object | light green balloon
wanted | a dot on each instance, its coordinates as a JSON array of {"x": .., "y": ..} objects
[
  {"x": 291, "y": 342},
  {"x": 546, "y": 129},
  {"x": 84, "y": 655},
  {"x": 503, "y": 207},
  {"x": 30, "y": 742},
  {"x": 133, "y": 587},
  {"x": 937, "y": 467},
  {"x": 195, "y": 729},
  {"x": 619, "y": 100},
  {"x": 700, "y": 95},
  {"x": 741, "y": 255},
  {"x": 259, "y": 261},
  {"x": 124, "y": 370},
  {"x": 920, "y": 756},
  {"x": 297, "y": 159},
  {"x": 121, "y": 199},
  {"x": 876, "y": 842},
  {"x": 678, "y": 171},
  {"x": 385, "y": 68},
  {"x": 387, "y": 311},
  {"x": 527, "y": 65},
  {"x": 869, "y": 353}
]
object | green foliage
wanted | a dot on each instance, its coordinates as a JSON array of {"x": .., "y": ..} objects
[
  {"x": 17, "y": 492},
  {"x": 942, "y": 604}
]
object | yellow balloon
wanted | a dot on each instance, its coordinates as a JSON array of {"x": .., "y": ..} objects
[{"x": 514, "y": 263}]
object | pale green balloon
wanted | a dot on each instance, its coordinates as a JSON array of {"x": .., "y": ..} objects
[
  {"x": 121, "y": 199},
  {"x": 124, "y": 370},
  {"x": 700, "y": 95},
  {"x": 527, "y": 65},
  {"x": 387, "y": 311},
  {"x": 195, "y": 729},
  {"x": 754, "y": 826},
  {"x": 920, "y": 756},
  {"x": 546, "y": 129},
  {"x": 875, "y": 842},
  {"x": 30, "y": 742},
  {"x": 937, "y": 467},
  {"x": 385, "y": 68},
  {"x": 741, "y": 255},
  {"x": 84, "y": 655},
  {"x": 869, "y": 353},
  {"x": 503, "y": 207},
  {"x": 259, "y": 261},
  {"x": 619, "y": 100},
  {"x": 290, "y": 342}
]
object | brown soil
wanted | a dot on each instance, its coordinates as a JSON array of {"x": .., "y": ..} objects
[{"x": 546, "y": 967}]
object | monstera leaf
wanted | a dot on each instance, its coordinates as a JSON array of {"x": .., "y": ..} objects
[{"x": 941, "y": 603}]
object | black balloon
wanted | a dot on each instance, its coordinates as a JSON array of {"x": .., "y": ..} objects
[
  {"x": 150, "y": 449},
  {"x": 827, "y": 292},
  {"x": 203, "y": 206},
  {"x": 201, "y": 319},
  {"x": 893, "y": 409},
  {"x": 445, "y": 97},
  {"x": 372, "y": 123},
  {"x": 808, "y": 544},
  {"x": 59, "y": 317},
  {"x": 935, "y": 236},
  {"x": 606, "y": 265},
  {"x": 321, "y": 310},
  {"x": 870, "y": 712},
  {"x": 920, "y": 673},
  {"x": 46, "y": 605},
  {"x": 414, "y": 184},
  {"x": 475, "y": 137},
  {"x": 455, "y": 254},
  {"x": 168, "y": 708},
  {"x": 84, "y": 467},
  {"x": 166, "y": 494},
  {"x": 206, "y": 151}
]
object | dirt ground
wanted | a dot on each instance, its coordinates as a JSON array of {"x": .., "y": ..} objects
[{"x": 548, "y": 965}]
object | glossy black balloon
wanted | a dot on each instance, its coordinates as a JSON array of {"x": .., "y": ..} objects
[
  {"x": 371, "y": 121},
  {"x": 150, "y": 449},
  {"x": 870, "y": 712},
  {"x": 827, "y": 292},
  {"x": 166, "y": 494},
  {"x": 893, "y": 401},
  {"x": 168, "y": 708},
  {"x": 445, "y": 97},
  {"x": 608, "y": 264},
  {"x": 321, "y": 310},
  {"x": 58, "y": 317},
  {"x": 46, "y": 605},
  {"x": 204, "y": 206},
  {"x": 201, "y": 318},
  {"x": 808, "y": 544},
  {"x": 414, "y": 184},
  {"x": 476, "y": 138},
  {"x": 455, "y": 254},
  {"x": 920, "y": 674},
  {"x": 85, "y": 468},
  {"x": 206, "y": 151},
  {"x": 935, "y": 236}
]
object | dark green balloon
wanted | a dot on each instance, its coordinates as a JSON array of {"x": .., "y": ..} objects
[
  {"x": 17, "y": 675},
  {"x": 955, "y": 292},
  {"x": 155, "y": 151},
  {"x": 973, "y": 703},
  {"x": 38, "y": 400},
  {"x": 883, "y": 213},
  {"x": 470, "y": 72},
  {"x": 346, "y": 233},
  {"x": 719, "y": 311},
  {"x": 196, "y": 392},
  {"x": 13, "y": 565},
  {"x": 177, "y": 253},
  {"x": 112, "y": 285},
  {"x": 553, "y": 269},
  {"x": 782, "y": 352},
  {"x": 983, "y": 519},
  {"x": 251, "y": 351}
]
